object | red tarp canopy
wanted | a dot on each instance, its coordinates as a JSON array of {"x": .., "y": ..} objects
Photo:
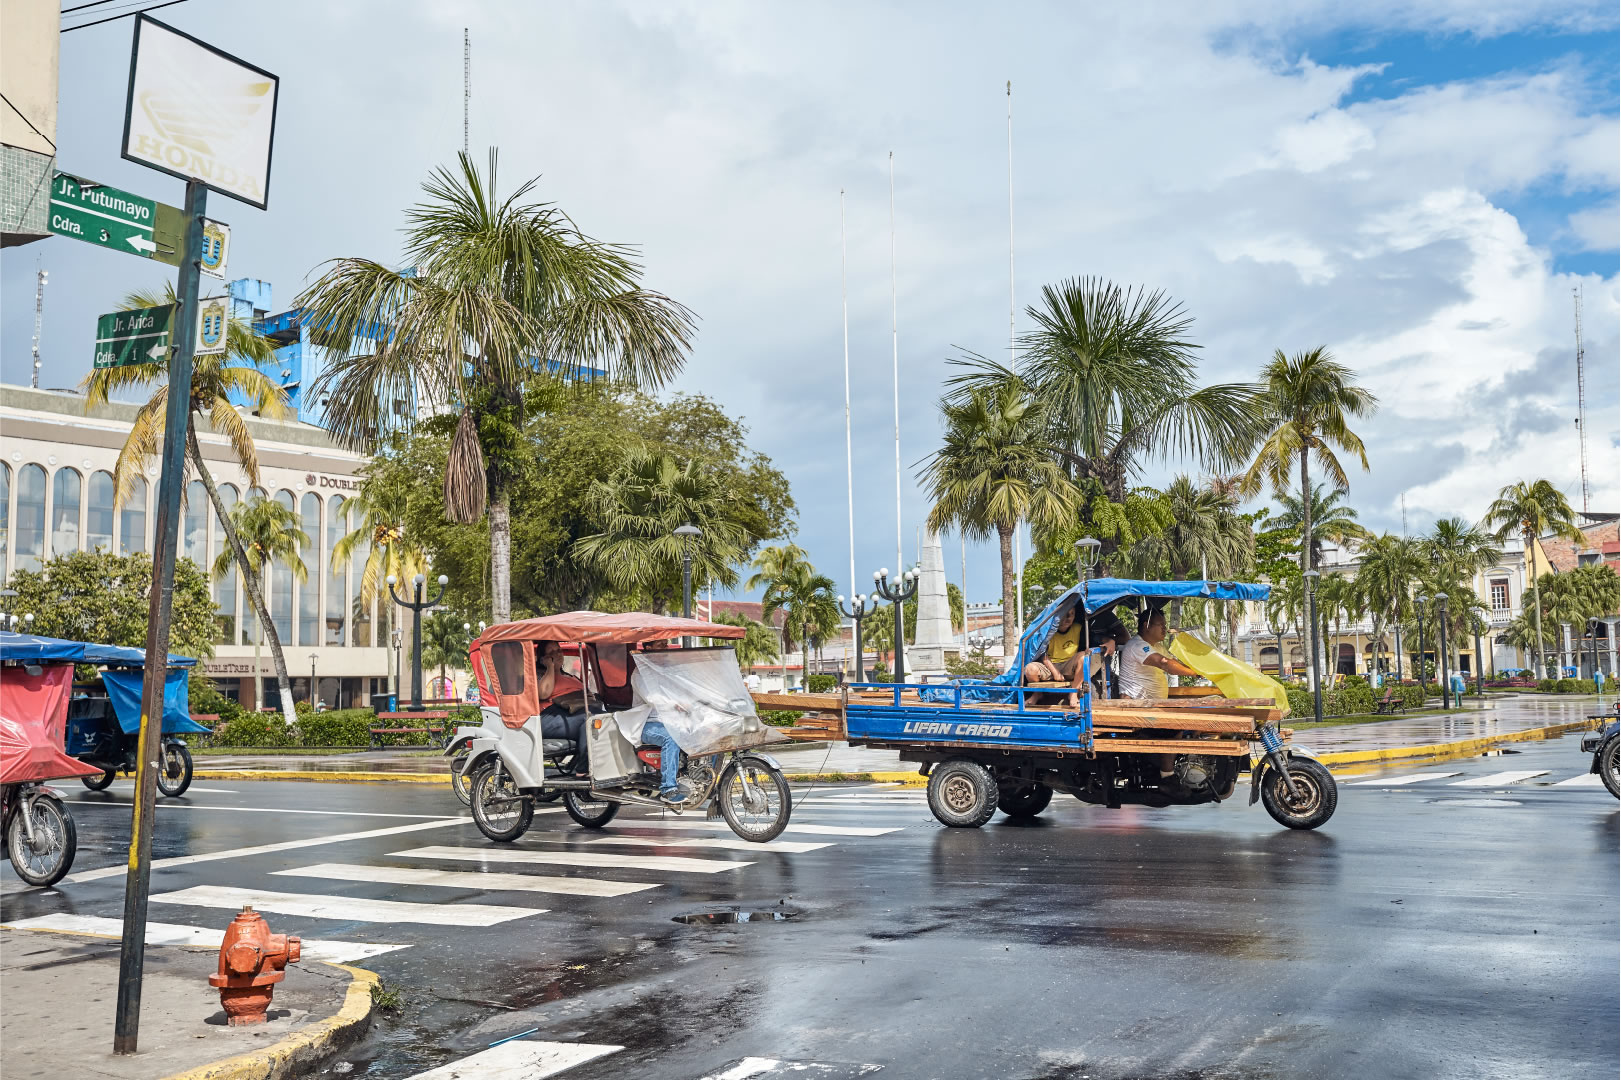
[
  {"x": 33, "y": 724},
  {"x": 625, "y": 628}
]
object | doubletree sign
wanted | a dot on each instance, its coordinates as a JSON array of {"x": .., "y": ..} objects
[{"x": 134, "y": 337}]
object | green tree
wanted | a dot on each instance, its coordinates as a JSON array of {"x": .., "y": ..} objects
[
  {"x": 776, "y": 562},
  {"x": 1332, "y": 520},
  {"x": 759, "y": 646},
  {"x": 499, "y": 292},
  {"x": 1206, "y": 537},
  {"x": 266, "y": 532},
  {"x": 445, "y": 640},
  {"x": 215, "y": 378},
  {"x": 1571, "y": 598},
  {"x": 1389, "y": 566},
  {"x": 1529, "y": 511},
  {"x": 994, "y": 469},
  {"x": 102, "y": 598},
  {"x": 377, "y": 526},
  {"x": 810, "y": 615}
]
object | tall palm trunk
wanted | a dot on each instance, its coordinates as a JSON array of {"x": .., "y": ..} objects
[
  {"x": 1537, "y": 665},
  {"x": 1010, "y": 631},
  {"x": 250, "y": 583},
  {"x": 501, "y": 557},
  {"x": 1305, "y": 555}
]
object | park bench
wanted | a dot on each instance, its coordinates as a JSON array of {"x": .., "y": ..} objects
[
  {"x": 1391, "y": 703},
  {"x": 409, "y": 723}
]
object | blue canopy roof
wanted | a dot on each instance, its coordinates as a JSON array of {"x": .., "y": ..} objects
[{"x": 34, "y": 649}]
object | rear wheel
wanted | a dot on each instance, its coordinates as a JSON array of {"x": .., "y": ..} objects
[
  {"x": 587, "y": 812},
  {"x": 962, "y": 793},
  {"x": 1315, "y": 794},
  {"x": 500, "y": 810},
  {"x": 56, "y": 840},
  {"x": 1609, "y": 764},
  {"x": 1025, "y": 801},
  {"x": 174, "y": 769},
  {"x": 99, "y": 783},
  {"x": 458, "y": 782},
  {"x": 754, "y": 800}
]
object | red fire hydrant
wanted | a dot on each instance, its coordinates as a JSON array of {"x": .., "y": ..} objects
[{"x": 252, "y": 960}]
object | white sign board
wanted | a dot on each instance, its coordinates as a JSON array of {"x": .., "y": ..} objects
[
  {"x": 198, "y": 113},
  {"x": 213, "y": 316}
]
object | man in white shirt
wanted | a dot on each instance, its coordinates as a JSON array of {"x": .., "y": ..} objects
[{"x": 1144, "y": 665}]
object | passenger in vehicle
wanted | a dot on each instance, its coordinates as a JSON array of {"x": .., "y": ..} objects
[
  {"x": 1061, "y": 661},
  {"x": 1144, "y": 664},
  {"x": 553, "y": 684}
]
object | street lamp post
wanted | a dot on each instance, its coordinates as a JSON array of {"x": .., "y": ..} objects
[
  {"x": 396, "y": 637},
  {"x": 1311, "y": 621},
  {"x": 417, "y": 606},
  {"x": 313, "y": 657},
  {"x": 1087, "y": 549},
  {"x": 1598, "y": 676},
  {"x": 1419, "y": 603},
  {"x": 1441, "y": 648},
  {"x": 688, "y": 534},
  {"x": 1480, "y": 666},
  {"x": 858, "y": 611},
  {"x": 897, "y": 595}
]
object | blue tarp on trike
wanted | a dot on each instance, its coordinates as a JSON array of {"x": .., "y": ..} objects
[{"x": 123, "y": 676}]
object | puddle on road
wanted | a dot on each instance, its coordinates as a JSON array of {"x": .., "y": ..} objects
[
  {"x": 1474, "y": 802},
  {"x": 722, "y": 918}
]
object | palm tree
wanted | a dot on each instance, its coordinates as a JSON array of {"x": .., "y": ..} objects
[
  {"x": 641, "y": 506},
  {"x": 758, "y": 645},
  {"x": 772, "y": 563},
  {"x": 994, "y": 469},
  {"x": 1115, "y": 370},
  {"x": 1309, "y": 401},
  {"x": 1285, "y": 607},
  {"x": 1572, "y": 598},
  {"x": 215, "y": 379},
  {"x": 265, "y": 532},
  {"x": 806, "y": 600},
  {"x": 1389, "y": 565},
  {"x": 499, "y": 292},
  {"x": 1532, "y": 510},
  {"x": 1204, "y": 536},
  {"x": 1332, "y": 520},
  {"x": 445, "y": 639},
  {"x": 377, "y": 515}
]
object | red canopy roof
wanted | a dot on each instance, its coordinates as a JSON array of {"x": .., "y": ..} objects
[{"x": 624, "y": 628}]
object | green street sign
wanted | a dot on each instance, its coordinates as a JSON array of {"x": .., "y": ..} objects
[
  {"x": 134, "y": 337},
  {"x": 110, "y": 218}
]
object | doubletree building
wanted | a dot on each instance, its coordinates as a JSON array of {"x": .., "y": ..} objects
[{"x": 56, "y": 496}]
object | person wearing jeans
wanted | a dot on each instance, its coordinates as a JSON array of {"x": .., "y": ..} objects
[{"x": 669, "y": 760}]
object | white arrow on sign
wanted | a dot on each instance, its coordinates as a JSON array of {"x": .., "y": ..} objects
[
  {"x": 157, "y": 352},
  {"x": 140, "y": 243}
]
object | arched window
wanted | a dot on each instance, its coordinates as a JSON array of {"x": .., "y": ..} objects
[
  {"x": 30, "y": 516},
  {"x": 281, "y": 587},
  {"x": 309, "y": 595},
  {"x": 194, "y": 534},
  {"x": 66, "y": 488},
  {"x": 98, "y": 517},
  {"x": 225, "y": 589},
  {"x": 5, "y": 513},
  {"x": 337, "y": 595},
  {"x": 132, "y": 520}
]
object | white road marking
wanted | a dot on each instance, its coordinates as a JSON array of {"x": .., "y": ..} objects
[
  {"x": 724, "y": 843},
  {"x": 750, "y": 1067},
  {"x": 256, "y": 810},
  {"x": 520, "y": 1060},
  {"x": 1403, "y": 779},
  {"x": 346, "y": 908},
  {"x": 721, "y": 826},
  {"x": 1591, "y": 779},
  {"x": 863, "y": 796},
  {"x": 286, "y": 845},
  {"x": 599, "y": 859},
  {"x": 204, "y": 937},
  {"x": 130, "y": 784},
  {"x": 462, "y": 879},
  {"x": 1500, "y": 779}
]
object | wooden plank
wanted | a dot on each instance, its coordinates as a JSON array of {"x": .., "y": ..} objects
[
  {"x": 800, "y": 702},
  {"x": 1194, "y": 691},
  {"x": 1178, "y": 721},
  {"x": 1215, "y": 747},
  {"x": 1185, "y": 703}
]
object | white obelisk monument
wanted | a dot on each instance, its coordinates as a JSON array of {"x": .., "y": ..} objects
[{"x": 927, "y": 656}]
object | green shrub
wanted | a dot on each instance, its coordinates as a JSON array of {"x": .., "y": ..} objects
[
  {"x": 256, "y": 729},
  {"x": 339, "y": 727},
  {"x": 1573, "y": 686},
  {"x": 1352, "y": 681},
  {"x": 780, "y": 717},
  {"x": 820, "y": 683},
  {"x": 1546, "y": 686},
  {"x": 205, "y": 697},
  {"x": 972, "y": 665}
]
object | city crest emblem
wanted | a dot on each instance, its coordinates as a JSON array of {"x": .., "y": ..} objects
[
  {"x": 211, "y": 326},
  {"x": 214, "y": 248}
]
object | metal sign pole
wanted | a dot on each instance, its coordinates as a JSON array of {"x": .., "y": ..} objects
[{"x": 132, "y": 955}]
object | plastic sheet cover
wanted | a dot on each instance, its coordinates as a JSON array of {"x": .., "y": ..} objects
[
  {"x": 1232, "y": 676},
  {"x": 697, "y": 694},
  {"x": 124, "y": 688},
  {"x": 33, "y": 722}
]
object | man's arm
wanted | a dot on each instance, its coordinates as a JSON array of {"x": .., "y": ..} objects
[
  {"x": 1170, "y": 664},
  {"x": 548, "y": 678}
]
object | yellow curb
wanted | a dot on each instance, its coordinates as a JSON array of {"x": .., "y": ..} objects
[
  {"x": 322, "y": 776},
  {"x": 1448, "y": 749},
  {"x": 301, "y": 1052}
]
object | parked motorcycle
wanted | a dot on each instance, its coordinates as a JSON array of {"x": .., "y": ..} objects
[{"x": 39, "y": 835}]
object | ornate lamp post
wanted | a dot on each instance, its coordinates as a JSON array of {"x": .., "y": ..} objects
[
  {"x": 1598, "y": 675},
  {"x": 1311, "y": 621},
  {"x": 897, "y": 594},
  {"x": 1419, "y": 603},
  {"x": 1480, "y": 666},
  {"x": 688, "y": 534},
  {"x": 417, "y": 606},
  {"x": 857, "y": 611},
  {"x": 1441, "y": 647}
]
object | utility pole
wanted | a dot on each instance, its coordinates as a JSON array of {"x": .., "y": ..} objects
[
  {"x": 1581, "y": 398},
  {"x": 40, "y": 278}
]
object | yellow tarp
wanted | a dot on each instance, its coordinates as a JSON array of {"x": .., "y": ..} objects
[{"x": 1232, "y": 676}]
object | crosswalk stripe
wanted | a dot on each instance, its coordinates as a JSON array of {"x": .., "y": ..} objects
[
  {"x": 205, "y": 937},
  {"x": 722, "y": 843},
  {"x": 463, "y": 879},
  {"x": 520, "y": 1060},
  {"x": 1403, "y": 779},
  {"x": 803, "y": 829},
  {"x": 1584, "y": 780},
  {"x": 1500, "y": 779},
  {"x": 599, "y": 859},
  {"x": 277, "y": 810},
  {"x": 862, "y": 796},
  {"x": 346, "y": 908}
]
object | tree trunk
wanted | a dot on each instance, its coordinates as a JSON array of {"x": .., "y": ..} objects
[
  {"x": 1537, "y": 666},
  {"x": 250, "y": 585},
  {"x": 1378, "y": 648},
  {"x": 1010, "y": 631},
  {"x": 501, "y": 558},
  {"x": 1305, "y": 555}
]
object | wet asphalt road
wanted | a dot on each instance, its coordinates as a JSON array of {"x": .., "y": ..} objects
[{"x": 1431, "y": 930}]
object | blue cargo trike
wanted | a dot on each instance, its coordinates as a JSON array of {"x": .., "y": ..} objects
[{"x": 997, "y": 744}]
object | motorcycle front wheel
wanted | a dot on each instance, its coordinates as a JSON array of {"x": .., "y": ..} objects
[
  {"x": 754, "y": 800},
  {"x": 500, "y": 810},
  {"x": 174, "y": 769},
  {"x": 56, "y": 841},
  {"x": 1315, "y": 798}
]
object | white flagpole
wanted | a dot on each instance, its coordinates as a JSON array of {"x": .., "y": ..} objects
[
  {"x": 962, "y": 540},
  {"x": 1018, "y": 546},
  {"x": 849, "y": 467},
  {"x": 895, "y": 342}
]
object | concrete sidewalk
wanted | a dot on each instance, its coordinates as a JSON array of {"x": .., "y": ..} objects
[{"x": 60, "y": 999}]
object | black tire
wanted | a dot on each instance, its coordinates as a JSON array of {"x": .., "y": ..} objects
[
  {"x": 99, "y": 783},
  {"x": 548, "y": 795},
  {"x": 1609, "y": 765},
  {"x": 501, "y": 812},
  {"x": 458, "y": 781},
  {"x": 1025, "y": 801},
  {"x": 1318, "y": 794},
  {"x": 962, "y": 793},
  {"x": 58, "y": 837},
  {"x": 587, "y": 812},
  {"x": 758, "y": 809},
  {"x": 174, "y": 769}
]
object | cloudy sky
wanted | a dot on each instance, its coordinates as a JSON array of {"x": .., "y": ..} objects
[{"x": 1418, "y": 187}]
